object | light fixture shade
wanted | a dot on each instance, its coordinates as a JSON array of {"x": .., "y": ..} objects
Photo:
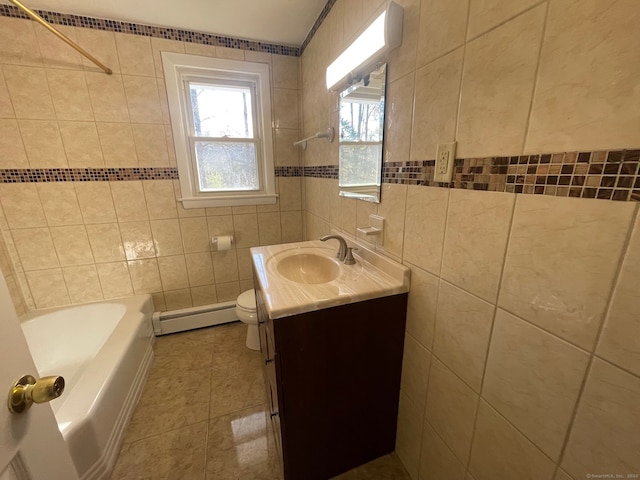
[{"x": 384, "y": 34}]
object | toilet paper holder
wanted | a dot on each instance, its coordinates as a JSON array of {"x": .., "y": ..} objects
[{"x": 222, "y": 242}]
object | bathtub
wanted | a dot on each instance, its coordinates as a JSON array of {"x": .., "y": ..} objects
[{"x": 104, "y": 352}]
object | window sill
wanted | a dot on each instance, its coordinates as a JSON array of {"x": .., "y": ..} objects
[{"x": 228, "y": 200}]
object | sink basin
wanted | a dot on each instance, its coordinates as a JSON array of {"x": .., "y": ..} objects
[{"x": 308, "y": 268}]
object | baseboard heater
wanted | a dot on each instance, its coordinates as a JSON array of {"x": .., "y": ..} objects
[{"x": 191, "y": 318}]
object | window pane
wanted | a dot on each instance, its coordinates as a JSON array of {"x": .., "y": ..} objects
[
  {"x": 360, "y": 121},
  {"x": 363, "y": 165},
  {"x": 220, "y": 110},
  {"x": 224, "y": 166}
]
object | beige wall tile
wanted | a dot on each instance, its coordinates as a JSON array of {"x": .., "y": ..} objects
[
  {"x": 580, "y": 36},
  {"x": 463, "y": 329},
  {"x": 227, "y": 292},
  {"x": 55, "y": 55},
  {"x": 619, "y": 342},
  {"x": 290, "y": 193},
  {"x": 35, "y": 248},
  {"x": 315, "y": 227},
  {"x": 451, "y": 409},
  {"x": 230, "y": 53},
  {"x": 43, "y": 144},
  {"x": 160, "y": 200},
  {"x": 70, "y": 94},
  {"x": 60, "y": 203},
  {"x": 6, "y": 109},
  {"x": 151, "y": 146},
  {"x": 218, "y": 225},
  {"x": 558, "y": 277},
  {"x": 19, "y": 44},
  {"x": 285, "y": 71},
  {"x": 102, "y": 45},
  {"x": 500, "y": 451},
  {"x": 137, "y": 240},
  {"x": 421, "y": 306},
  {"x": 107, "y": 97},
  {"x": 259, "y": 57},
  {"x": 117, "y": 143},
  {"x": 246, "y": 230},
  {"x": 343, "y": 211},
  {"x": 115, "y": 280},
  {"x": 177, "y": 299},
  {"x": 204, "y": 295},
  {"x": 82, "y": 283},
  {"x": 142, "y": 99},
  {"x": 96, "y": 203},
  {"x": 392, "y": 207},
  {"x": 81, "y": 144},
  {"x": 164, "y": 45},
  {"x": 402, "y": 60},
  {"x": 316, "y": 191},
  {"x": 475, "y": 240},
  {"x": 242, "y": 209},
  {"x": 106, "y": 242},
  {"x": 409, "y": 433},
  {"x": 398, "y": 117},
  {"x": 199, "y": 49},
  {"x": 286, "y": 154},
  {"x": 72, "y": 245},
  {"x": 21, "y": 205},
  {"x": 436, "y": 105},
  {"x": 195, "y": 234},
  {"x": 437, "y": 461},
  {"x": 216, "y": 211},
  {"x": 30, "y": 96},
  {"x": 443, "y": 24},
  {"x": 269, "y": 229},
  {"x": 285, "y": 108},
  {"x": 166, "y": 237},
  {"x": 134, "y": 54},
  {"x": 48, "y": 288},
  {"x": 609, "y": 406},
  {"x": 487, "y": 14},
  {"x": 246, "y": 285},
  {"x": 225, "y": 266},
  {"x": 173, "y": 272},
  {"x": 291, "y": 224},
  {"x": 159, "y": 304},
  {"x": 562, "y": 476},
  {"x": 534, "y": 380},
  {"x": 199, "y": 269},
  {"x": 426, "y": 215},
  {"x": 245, "y": 265},
  {"x": 128, "y": 198},
  {"x": 12, "y": 152},
  {"x": 496, "y": 97},
  {"x": 145, "y": 276},
  {"x": 416, "y": 361}
]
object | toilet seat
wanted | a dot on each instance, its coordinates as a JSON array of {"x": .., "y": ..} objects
[{"x": 247, "y": 301}]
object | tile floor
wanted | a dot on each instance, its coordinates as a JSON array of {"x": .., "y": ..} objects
[{"x": 202, "y": 416}]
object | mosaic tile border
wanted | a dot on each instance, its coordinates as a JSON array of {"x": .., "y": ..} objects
[
  {"x": 321, "y": 171},
  {"x": 188, "y": 36},
  {"x": 321, "y": 18},
  {"x": 44, "y": 175}
]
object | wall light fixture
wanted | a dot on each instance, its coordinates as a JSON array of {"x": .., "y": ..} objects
[{"x": 384, "y": 34}]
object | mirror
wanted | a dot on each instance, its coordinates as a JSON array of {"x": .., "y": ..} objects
[{"x": 361, "y": 132}]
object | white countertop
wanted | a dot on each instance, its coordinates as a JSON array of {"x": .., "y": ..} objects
[{"x": 373, "y": 276}]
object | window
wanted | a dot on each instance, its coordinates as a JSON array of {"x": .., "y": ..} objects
[{"x": 221, "y": 120}]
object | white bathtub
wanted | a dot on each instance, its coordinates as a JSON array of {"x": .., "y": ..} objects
[{"x": 103, "y": 351}]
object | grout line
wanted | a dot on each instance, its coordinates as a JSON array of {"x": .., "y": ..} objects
[
  {"x": 464, "y": 58},
  {"x": 605, "y": 315},
  {"x": 493, "y": 323},
  {"x": 536, "y": 76},
  {"x": 495, "y": 27}
]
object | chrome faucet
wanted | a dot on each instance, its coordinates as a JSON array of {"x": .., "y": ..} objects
[{"x": 344, "y": 253}]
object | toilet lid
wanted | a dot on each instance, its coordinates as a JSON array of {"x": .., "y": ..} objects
[{"x": 247, "y": 300}]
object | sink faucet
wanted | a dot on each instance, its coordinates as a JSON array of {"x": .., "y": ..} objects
[{"x": 344, "y": 253}]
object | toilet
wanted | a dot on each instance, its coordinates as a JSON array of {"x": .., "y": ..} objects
[{"x": 246, "y": 311}]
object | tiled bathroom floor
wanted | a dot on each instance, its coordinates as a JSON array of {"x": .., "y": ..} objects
[{"x": 202, "y": 416}]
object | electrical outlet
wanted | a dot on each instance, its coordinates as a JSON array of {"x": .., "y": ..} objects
[{"x": 445, "y": 155}]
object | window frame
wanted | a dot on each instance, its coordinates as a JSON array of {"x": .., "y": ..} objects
[{"x": 181, "y": 68}]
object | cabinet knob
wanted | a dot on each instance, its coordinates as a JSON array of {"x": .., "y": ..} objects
[{"x": 268, "y": 361}]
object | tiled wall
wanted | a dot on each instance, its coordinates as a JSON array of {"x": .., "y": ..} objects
[
  {"x": 522, "y": 358},
  {"x": 79, "y": 241}
]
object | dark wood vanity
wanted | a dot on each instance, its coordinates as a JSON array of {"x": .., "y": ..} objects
[{"x": 333, "y": 380}]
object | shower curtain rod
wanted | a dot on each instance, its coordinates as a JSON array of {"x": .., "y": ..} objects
[{"x": 60, "y": 35}]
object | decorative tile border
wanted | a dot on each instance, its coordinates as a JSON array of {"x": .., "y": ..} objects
[
  {"x": 321, "y": 18},
  {"x": 43, "y": 175},
  {"x": 321, "y": 171},
  {"x": 56, "y": 18},
  {"x": 288, "y": 171}
]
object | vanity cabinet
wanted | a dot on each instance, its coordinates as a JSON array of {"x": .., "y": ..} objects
[{"x": 332, "y": 380}]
